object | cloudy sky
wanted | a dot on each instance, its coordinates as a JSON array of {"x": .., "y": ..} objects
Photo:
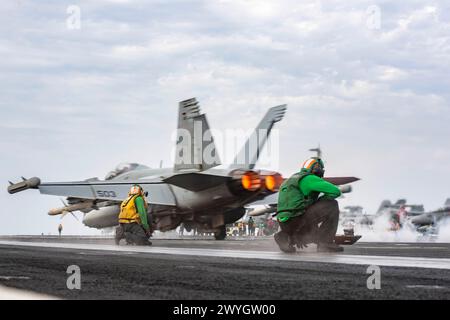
[{"x": 368, "y": 80}]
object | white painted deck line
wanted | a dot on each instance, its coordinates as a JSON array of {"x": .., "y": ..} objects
[
  {"x": 16, "y": 294},
  {"x": 339, "y": 258}
]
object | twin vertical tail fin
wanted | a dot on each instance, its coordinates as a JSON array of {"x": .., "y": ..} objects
[
  {"x": 250, "y": 152},
  {"x": 195, "y": 149},
  {"x": 384, "y": 204},
  {"x": 447, "y": 203}
]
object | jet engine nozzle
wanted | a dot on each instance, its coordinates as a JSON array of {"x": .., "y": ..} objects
[
  {"x": 245, "y": 180},
  {"x": 32, "y": 183},
  {"x": 272, "y": 181},
  {"x": 251, "y": 181}
]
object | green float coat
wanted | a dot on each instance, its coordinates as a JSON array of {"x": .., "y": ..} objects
[{"x": 300, "y": 191}]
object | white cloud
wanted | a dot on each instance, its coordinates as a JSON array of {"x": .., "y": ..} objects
[{"x": 388, "y": 73}]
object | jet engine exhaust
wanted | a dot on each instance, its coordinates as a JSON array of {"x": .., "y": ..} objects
[
  {"x": 245, "y": 180},
  {"x": 272, "y": 181}
]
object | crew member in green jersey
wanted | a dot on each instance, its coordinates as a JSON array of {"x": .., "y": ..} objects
[{"x": 306, "y": 201}]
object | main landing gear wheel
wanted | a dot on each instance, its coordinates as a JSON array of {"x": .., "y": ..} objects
[{"x": 221, "y": 234}]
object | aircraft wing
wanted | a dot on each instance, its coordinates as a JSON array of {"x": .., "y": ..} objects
[
  {"x": 159, "y": 192},
  {"x": 338, "y": 181}
]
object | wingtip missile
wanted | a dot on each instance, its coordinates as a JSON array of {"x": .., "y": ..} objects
[{"x": 32, "y": 183}]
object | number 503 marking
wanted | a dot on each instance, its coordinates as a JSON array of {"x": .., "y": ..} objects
[{"x": 106, "y": 194}]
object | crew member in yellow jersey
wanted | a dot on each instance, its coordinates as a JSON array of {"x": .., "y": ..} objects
[{"x": 133, "y": 218}]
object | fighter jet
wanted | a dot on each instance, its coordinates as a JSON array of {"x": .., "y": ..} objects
[
  {"x": 430, "y": 219},
  {"x": 386, "y": 207},
  {"x": 415, "y": 215},
  {"x": 193, "y": 192}
]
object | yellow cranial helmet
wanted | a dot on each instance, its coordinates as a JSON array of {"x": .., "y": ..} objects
[{"x": 136, "y": 189}]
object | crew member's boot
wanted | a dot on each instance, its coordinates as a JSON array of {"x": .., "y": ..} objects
[{"x": 282, "y": 240}]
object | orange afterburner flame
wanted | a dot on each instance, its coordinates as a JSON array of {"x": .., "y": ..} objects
[
  {"x": 273, "y": 182},
  {"x": 251, "y": 181}
]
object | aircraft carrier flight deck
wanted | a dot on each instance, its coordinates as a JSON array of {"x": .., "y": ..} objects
[{"x": 202, "y": 268}]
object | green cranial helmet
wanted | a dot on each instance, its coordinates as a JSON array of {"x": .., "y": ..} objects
[{"x": 315, "y": 166}]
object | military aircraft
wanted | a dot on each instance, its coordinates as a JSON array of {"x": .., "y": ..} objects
[
  {"x": 415, "y": 215},
  {"x": 193, "y": 192},
  {"x": 387, "y": 207},
  {"x": 429, "y": 219}
]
